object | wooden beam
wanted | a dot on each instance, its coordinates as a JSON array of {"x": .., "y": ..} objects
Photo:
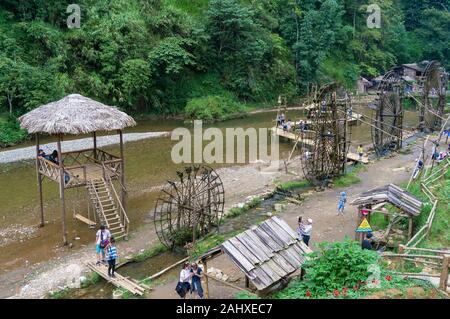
[
  {"x": 205, "y": 270},
  {"x": 158, "y": 274},
  {"x": 444, "y": 274},
  {"x": 61, "y": 190},
  {"x": 122, "y": 177},
  {"x": 94, "y": 136},
  {"x": 39, "y": 179},
  {"x": 410, "y": 227}
]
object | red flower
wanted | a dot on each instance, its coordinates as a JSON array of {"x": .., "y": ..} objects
[
  {"x": 308, "y": 294},
  {"x": 336, "y": 293},
  {"x": 388, "y": 278}
]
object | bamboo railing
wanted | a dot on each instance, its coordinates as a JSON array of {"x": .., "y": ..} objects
[{"x": 426, "y": 186}]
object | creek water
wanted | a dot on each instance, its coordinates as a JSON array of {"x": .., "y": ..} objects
[{"x": 148, "y": 165}]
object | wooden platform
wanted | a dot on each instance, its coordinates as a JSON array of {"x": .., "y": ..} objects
[
  {"x": 93, "y": 172},
  {"x": 290, "y": 136},
  {"x": 119, "y": 281},
  {"x": 355, "y": 158}
]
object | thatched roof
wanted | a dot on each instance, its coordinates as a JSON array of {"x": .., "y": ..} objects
[{"x": 75, "y": 114}]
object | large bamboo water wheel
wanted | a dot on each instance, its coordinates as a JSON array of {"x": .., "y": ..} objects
[
  {"x": 325, "y": 142},
  {"x": 387, "y": 117},
  {"x": 433, "y": 85},
  {"x": 190, "y": 207}
]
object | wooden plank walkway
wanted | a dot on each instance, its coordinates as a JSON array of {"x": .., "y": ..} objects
[
  {"x": 119, "y": 281},
  {"x": 85, "y": 220},
  {"x": 291, "y": 136},
  {"x": 355, "y": 157}
]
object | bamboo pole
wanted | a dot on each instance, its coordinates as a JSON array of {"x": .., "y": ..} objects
[
  {"x": 61, "y": 190},
  {"x": 444, "y": 274},
  {"x": 205, "y": 271},
  {"x": 39, "y": 180},
  {"x": 94, "y": 136},
  {"x": 122, "y": 177}
]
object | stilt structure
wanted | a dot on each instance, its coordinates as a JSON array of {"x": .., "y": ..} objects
[{"x": 92, "y": 168}]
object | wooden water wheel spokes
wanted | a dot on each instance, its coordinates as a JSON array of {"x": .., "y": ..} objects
[
  {"x": 387, "y": 117},
  {"x": 325, "y": 144},
  {"x": 433, "y": 85},
  {"x": 190, "y": 207}
]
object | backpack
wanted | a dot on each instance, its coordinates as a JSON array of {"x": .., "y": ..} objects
[
  {"x": 103, "y": 243},
  {"x": 180, "y": 289}
]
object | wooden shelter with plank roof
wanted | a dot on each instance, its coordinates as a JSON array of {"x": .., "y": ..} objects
[
  {"x": 267, "y": 254},
  {"x": 91, "y": 168},
  {"x": 372, "y": 201}
]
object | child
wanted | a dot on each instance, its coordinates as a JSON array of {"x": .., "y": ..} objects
[
  {"x": 111, "y": 253},
  {"x": 360, "y": 152},
  {"x": 342, "y": 201}
]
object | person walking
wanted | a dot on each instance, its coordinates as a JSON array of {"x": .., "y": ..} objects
[
  {"x": 102, "y": 240},
  {"x": 300, "y": 227},
  {"x": 112, "y": 255},
  {"x": 341, "y": 204},
  {"x": 196, "y": 281},
  {"x": 306, "y": 234}
]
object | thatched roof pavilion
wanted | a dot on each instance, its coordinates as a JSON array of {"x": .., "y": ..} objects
[
  {"x": 92, "y": 168},
  {"x": 75, "y": 114}
]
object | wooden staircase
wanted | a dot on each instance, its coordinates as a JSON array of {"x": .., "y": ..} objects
[{"x": 108, "y": 207}]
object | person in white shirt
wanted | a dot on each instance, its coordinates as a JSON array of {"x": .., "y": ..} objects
[
  {"x": 185, "y": 278},
  {"x": 306, "y": 231},
  {"x": 102, "y": 239}
]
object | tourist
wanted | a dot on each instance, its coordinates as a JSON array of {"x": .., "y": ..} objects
[
  {"x": 360, "y": 152},
  {"x": 103, "y": 237},
  {"x": 196, "y": 281},
  {"x": 282, "y": 118},
  {"x": 54, "y": 157},
  {"x": 341, "y": 204},
  {"x": 367, "y": 242},
  {"x": 300, "y": 228},
  {"x": 289, "y": 125},
  {"x": 183, "y": 285},
  {"x": 111, "y": 253},
  {"x": 306, "y": 234}
]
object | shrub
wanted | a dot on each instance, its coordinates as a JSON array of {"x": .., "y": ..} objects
[
  {"x": 10, "y": 132},
  {"x": 213, "y": 108}
]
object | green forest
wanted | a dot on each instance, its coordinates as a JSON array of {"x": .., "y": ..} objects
[{"x": 203, "y": 58}]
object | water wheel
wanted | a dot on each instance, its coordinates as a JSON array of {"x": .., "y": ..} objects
[
  {"x": 324, "y": 143},
  {"x": 387, "y": 117},
  {"x": 433, "y": 84},
  {"x": 189, "y": 207}
]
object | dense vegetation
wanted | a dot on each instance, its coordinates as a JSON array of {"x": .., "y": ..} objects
[
  {"x": 209, "y": 56},
  {"x": 344, "y": 270}
]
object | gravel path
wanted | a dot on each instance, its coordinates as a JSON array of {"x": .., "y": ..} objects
[{"x": 29, "y": 152}]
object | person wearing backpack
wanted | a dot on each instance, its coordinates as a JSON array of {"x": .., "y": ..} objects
[
  {"x": 102, "y": 240},
  {"x": 183, "y": 285}
]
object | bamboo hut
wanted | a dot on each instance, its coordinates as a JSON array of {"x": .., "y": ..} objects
[
  {"x": 409, "y": 205},
  {"x": 267, "y": 254},
  {"x": 92, "y": 168}
]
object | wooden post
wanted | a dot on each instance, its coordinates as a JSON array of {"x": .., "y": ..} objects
[
  {"x": 247, "y": 282},
  {"x": 205, "y": 271},
  {"x": 39, "y": 179},
  {"x": 410, "y": 227},
  {"x": 94, "y": 136},
  {"x": 61, "y": 190},
  {"x": 122, "y": 177},
  {"x": 444, "y": 274},
  {"x": 401, "y": 251}
]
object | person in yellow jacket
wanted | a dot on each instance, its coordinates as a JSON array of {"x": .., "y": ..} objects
[{"x": 360, "y": 152}]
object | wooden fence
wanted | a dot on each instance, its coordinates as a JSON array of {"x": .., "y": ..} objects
[
  {"x": 439, "y": 260},
  {"x": 427, "y": 184}
]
